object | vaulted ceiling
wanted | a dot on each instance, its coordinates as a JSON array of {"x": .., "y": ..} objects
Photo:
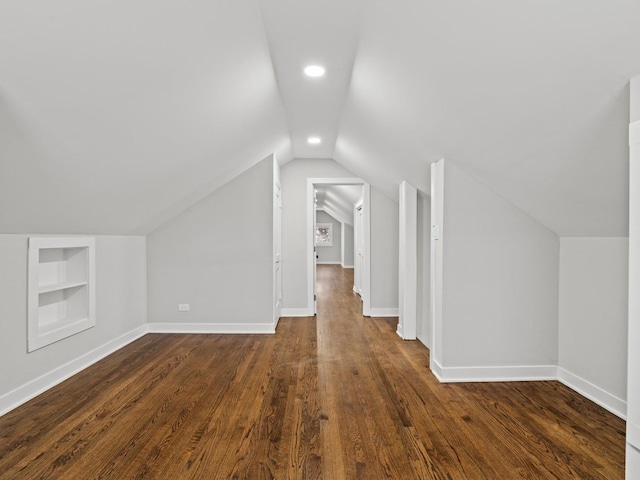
[{"x": 115, "y": 116}]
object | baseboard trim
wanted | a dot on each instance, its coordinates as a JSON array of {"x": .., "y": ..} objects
[
  {"x": 327, "y": 263},
  {"x": 296, "y": 312},
  {"x": 610, "y": 402},
  {"x": 383, "y": 312},
  {"x": 494, "y": 374},
  {"x": 347, "y": 266},
  {"x": 399, "y": 330},
  {"x": 213, "y": 328},
  {"x": 32, "y": 389},
  {"x": 436, "y": 369}
]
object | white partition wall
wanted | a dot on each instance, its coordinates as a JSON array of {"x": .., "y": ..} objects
[
  {"x": 408, "y": 271},
  {"x": 496, "y": 285},
  {"x": 633, "y": 369}
]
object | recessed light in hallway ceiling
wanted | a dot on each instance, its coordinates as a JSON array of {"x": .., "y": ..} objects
[
  {"x": 314, "y": 71},
  {"x": 314, "y": 140}
]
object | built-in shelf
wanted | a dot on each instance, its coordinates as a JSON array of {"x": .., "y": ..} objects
[{"x": 61, "y": 288}]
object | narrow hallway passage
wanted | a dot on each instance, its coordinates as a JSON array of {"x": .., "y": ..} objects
[{"x": 386, "y": 416}]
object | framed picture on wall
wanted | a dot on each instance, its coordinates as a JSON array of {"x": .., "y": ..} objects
[{"x": 324, "y": 234}]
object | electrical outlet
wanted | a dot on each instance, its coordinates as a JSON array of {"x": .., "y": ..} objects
[{"x": 184, "y": 307}]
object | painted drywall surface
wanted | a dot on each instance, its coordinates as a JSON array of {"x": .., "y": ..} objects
[
  {"x": 436, "y": 257},
  {"x": 121, "y": 303},
  {"x": 593, "y": 310},
  {"x": 294, "y": 224},
  {"x": 423, "y": 329},
  {"x": 633, "y": 352},
  {"x": 634, "y": 100},
  {"x": 500, "y": 280},
  {"x": 348, "y": 246},
  {"x": 217, "y": 256},
  {"x": 136, "y": 119},
  {"x": 384, "y": 251},
  {"x": 333, "y": 253}
]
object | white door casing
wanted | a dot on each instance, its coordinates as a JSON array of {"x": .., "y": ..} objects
[
  {"x": 366, "y": 222},
  {"x": 277, "y": 251},
  {"x": 358, "y": 248}
]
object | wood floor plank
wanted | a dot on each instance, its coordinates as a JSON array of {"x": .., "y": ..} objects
[{"x": 337, "y": 396}]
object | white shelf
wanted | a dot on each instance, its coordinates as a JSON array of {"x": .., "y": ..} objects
[{"x": 61, "y": 288}]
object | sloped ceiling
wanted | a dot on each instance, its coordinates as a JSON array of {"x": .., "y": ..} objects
[
  {"x": 115, "y": 116},
  {"x": 530, "y": 97},
  {"x": 338, "y": 200}
]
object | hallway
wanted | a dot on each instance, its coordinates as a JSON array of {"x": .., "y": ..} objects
[
  {"x": 391, "y": 417},
  {"x": 340, "y": 397}
]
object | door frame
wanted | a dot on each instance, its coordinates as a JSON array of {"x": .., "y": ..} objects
[
  {"x": 277, "y": 252},
  {"x": 311, "y": 263}
]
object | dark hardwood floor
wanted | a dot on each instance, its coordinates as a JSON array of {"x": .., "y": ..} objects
[{"x": 340, "y": 397}]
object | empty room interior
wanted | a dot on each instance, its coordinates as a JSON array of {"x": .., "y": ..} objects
[{"x": 348, "y": 239}]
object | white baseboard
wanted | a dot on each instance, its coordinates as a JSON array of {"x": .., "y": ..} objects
[
  {"x": 383, "y": 312},
  {"x": 435, "y": 368},
  {"x": 296, "y": 312},
  {"x": 610, "y": 402},
  {"x": 35, "y": 387},
  {"x": 213, "y": 328},
  {"x": 494, "y": 374},
  {"x": 399, "y": 330},
  {"x": 327, "y": 263},
  {"x": 346, "y": 266},
  {"x": 633, "y": 435}
]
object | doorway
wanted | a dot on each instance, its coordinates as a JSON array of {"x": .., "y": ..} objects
[{"x": 320, "y": 186}]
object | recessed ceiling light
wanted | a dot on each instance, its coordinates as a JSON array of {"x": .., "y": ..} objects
[
  {"x": 314, "y": 71},
  {"x": 314, "y": 140}
]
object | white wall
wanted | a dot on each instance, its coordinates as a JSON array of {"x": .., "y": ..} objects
[
  {"x": 348, "y": 246},
  {"x": 332, "y": 254},
  {"x": 121, "y": 301},
  {"x": 294, "y": 224},
  {"x": 217, "y": 257},
  {"x": 500, "y": 284},
  {"x": 593, "y": 315},
  {"x": 633, "y": 361},
  {"x": 384, "y": 236},
  {"x": 423, "y": 329},
  {"x": 407, "y": 262},
  {"x": 384, "y": 254}
]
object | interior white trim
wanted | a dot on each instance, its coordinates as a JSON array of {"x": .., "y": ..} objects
[
  {"x": 382, "y": 312},
  {"x": 347, "y": 266},
  {"x": 215, "y": 328},
  {"x": 494, "y": 374},
  {"x": 366, "y": 198},
  {"x": 296, "y": 312},
  {"x": 408, "y": 261},
  {"x": 610, "y": 402},
  {"x": 633, "y": 434},
  {"x": 29, "y": 390},
  {"x": 328, "y": 263},
  {"x": 634, "y": 133}
]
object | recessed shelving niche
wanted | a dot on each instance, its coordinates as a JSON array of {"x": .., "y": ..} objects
[{"x": 61, "y": 288}]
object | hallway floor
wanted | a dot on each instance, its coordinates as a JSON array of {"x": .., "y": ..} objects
[{"x": 337, "y": 397}]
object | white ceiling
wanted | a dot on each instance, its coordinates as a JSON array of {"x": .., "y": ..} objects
[
  {"x": 322, "y": 33},
  {"x": 116, "y": 115},
  {"x": 338, "y": 200}
]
